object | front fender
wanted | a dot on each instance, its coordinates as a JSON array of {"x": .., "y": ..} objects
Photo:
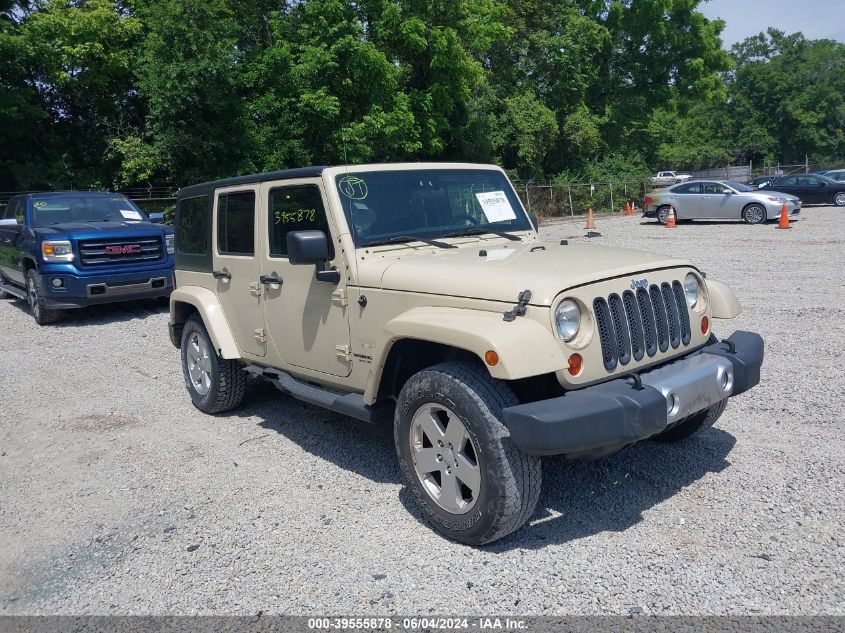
[
  {"x": 212, "y": 315},
  {"x": 525, "y": 347},
  {"x": 723, "y": 301}
]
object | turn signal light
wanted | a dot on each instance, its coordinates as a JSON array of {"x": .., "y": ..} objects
[
  {"x": 576, "y": 363},
  {"x": 491, "y": 358},
  {"x": 705, "y": 325}
]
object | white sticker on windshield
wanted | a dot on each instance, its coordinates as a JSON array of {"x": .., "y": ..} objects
[
  {"x": 496, "y": 206},
  {"x": 129, "y": 214}
]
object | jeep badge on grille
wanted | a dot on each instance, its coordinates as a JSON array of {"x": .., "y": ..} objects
[{"x": 639, "y": 283}]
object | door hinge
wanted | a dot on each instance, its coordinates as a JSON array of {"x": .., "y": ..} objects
[
  {"x": 255, "y": 288},
  {"x": 339, "y": 297},
  {"x": 260, "y": 336},
  {"x": 343, "y": 352}
]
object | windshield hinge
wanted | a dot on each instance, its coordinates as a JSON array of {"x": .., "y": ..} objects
[
  {"x": 339, "y": 297},
  {"x": 520, "y": 308},
  {"x": 343, "y": 352},
  {"x": 260, "y": 336}
]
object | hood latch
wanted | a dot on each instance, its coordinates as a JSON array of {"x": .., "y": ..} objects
[{"x": 520, "y": 308}]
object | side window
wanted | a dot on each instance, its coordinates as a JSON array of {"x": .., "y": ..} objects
[
  {"x": 713, "y": 187},
  {"x": 236, "y": 223},
  {"x": 15, "y": 210},
  {"x": 295, "y": 208},
  {"x": 792, "y": 181},
  {"x": 193, "y": 225},
  {"x": 681, "y": 189},
  {"x": 693, "y": 187},
  {"x": 809, "y": 181}
]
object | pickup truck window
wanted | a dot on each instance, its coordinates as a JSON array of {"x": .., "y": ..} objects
[
  {"x": 236, "y": 223},
  {"x": 15, "y": 210},
  {"x": 428, "y": 203},
  {"x": 51, "y": 210},
  {"x": 295, "y": 208}
]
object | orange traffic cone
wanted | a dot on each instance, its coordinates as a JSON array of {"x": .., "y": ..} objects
[
  {"x": 670, "y": 223},
  {"x": 629, "y": 210},
  {"x": 784, "y": 218},
  {"x": 590, "y": 223}
]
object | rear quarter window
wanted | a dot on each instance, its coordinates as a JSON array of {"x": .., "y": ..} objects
[{"x": 192, "y": 224}]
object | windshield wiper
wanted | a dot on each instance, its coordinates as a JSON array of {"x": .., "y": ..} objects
[
  {"x": 479, "y": 231},
  {"x": 397, "y": 239}
]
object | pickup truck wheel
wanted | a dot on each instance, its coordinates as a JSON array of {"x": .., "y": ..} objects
[
  {"x": 41, "y": 314},
  {"x": 692, "y": 424},
  {"x": 215, "y": 384},
  {"x": 472, "y": 483}
]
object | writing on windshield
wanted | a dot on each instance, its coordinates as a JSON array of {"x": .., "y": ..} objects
[
  {"x": 49, "y": 210},
  {"x": 428, "y": 203}
]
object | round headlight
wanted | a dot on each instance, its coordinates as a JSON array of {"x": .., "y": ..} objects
[
  {"x": 567, "y": 319},
  {"x": 692, "y": 289}
]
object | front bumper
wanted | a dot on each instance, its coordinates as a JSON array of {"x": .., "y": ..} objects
[
  {"x": 603, "y": 418},
  {"x": 78, "y": 291}
]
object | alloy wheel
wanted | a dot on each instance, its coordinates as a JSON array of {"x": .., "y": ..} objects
[
  {"x": 840, "y": 199},
  {"x": 199, "y": 364},
  {"x": 755, "y": 214},
  {"x": 445, "y": 458}
]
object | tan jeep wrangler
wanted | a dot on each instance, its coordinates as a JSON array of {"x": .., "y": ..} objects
[{"x": 422, "y": 294}]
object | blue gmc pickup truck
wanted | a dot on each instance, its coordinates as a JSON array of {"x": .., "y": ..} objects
[{"x": 68, "y": 250}]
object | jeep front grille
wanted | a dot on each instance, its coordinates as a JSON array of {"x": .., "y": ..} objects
[
  {"x": 119, "y": 250},
  {"x": 633, "y": 326}
]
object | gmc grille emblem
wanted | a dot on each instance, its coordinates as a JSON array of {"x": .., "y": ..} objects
[
  {"x": 126, "y": 249},
  {"x": 639, "y": 283}
]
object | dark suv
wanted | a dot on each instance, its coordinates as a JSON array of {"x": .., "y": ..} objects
[{"x": 68, "y": 250}]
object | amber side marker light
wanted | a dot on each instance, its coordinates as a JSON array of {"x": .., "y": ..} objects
[
  {"x": 575, "y": 364},
  {"x": 491, "y": 358},
  {"x": 705, "y": 325}
]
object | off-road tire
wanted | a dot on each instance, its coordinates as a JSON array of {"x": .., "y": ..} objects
[
  {"x": 693, "y": 424},
  {"x": 762, "y": 219},
  {"x": 510, "y": 480},
  {"x": 34, "y": 292},
  {"x": 228, "y": 378}
]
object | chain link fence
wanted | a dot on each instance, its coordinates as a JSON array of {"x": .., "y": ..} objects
[{"x": 556, "y": 200}]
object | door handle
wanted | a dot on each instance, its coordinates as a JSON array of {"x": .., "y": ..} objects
[
  {"x": 266, "y": 279},
  {"x": 221, "y": 274}
]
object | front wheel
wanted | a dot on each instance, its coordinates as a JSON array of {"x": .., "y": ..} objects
[
  {"x": 692, "y": 424},
  {"x": 40, "y": 313},
  {"x": 472, "y": 483},
  {"x": 215, "y": 384},
  {"x": 754, "y": 214},
  {"x": 839, "y": 199}
]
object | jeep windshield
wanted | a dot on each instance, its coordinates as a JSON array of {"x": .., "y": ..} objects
[
  {"x": 73, "y": 208},
  {"x": 395, "y": 206}
]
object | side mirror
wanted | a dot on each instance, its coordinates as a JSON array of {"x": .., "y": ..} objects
[
  {"x": 312, "y": 247},
  {"x": 156, "y": 218},
  {"x": 728, "y": 191},
  {"x": 10, "y": 223}
]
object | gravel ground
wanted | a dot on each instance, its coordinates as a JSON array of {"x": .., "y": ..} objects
[{"x": 117, "y": 496}]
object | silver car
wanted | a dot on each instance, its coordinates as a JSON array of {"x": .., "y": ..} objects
[{"x": 718, "y": 200}]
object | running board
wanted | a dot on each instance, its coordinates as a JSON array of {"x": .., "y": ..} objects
[
  {"x": 351, "y": 404},
  {"x": 20, "y": 293}
]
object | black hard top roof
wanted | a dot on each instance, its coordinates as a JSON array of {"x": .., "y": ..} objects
[{"x": 284, "y": 174}]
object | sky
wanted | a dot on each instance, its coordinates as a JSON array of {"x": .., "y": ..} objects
[{"x": 817, "y": 19}]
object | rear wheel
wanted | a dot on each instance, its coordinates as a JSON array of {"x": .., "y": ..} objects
[
  {"x": 754, "y": 214},
  {"x": 41, "y": 314},
  {"x": 472, "y": 483},
  {"x": 215, "y": 384},
  {"x": 839, "y": 199},
  {"x": 692, "y": 424},
  {"x": 663, "y": 214}
]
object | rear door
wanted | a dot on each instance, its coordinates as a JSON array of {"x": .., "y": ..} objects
[
  {"x": 687, "y": 200},
  {"x": 787, "y": 184},
  {"x": 236, "y": 266}
]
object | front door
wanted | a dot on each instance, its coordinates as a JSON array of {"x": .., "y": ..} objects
[
  {"x": 717, "y": 204},
  {"x": 11, "y": 234},
  {"x": 236, "y": 267},
  {"x": 307, "y": 320}
]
